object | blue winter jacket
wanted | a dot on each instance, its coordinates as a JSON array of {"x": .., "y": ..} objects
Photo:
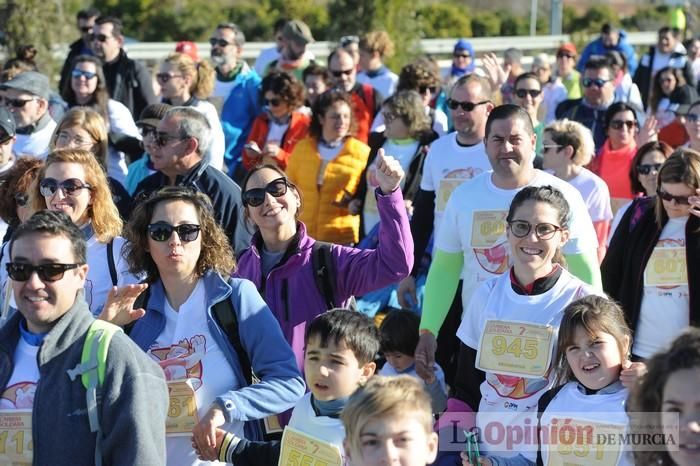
[
  {"x": 597, "y": 48},
  {"x": 271, "y": 358}
]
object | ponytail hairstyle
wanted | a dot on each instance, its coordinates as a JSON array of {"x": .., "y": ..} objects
[{"x": 202, "y": 73}]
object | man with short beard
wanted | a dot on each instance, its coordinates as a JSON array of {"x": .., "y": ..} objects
[
  {"x": 294, "y": 58},
  {"x": 237, "y": 88}
]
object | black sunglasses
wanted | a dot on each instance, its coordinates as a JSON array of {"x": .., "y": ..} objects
[
  {"x": 162, "y": 231},
  {"x": 423, "y": 89},
  {"x": 165, "y": 77},
  {"x": 618, "y": 124},
  {"x": 521, "y": 228},
  {"x": 163, "y": 138},
  {"x": 21, "y": 272},
  {"x": 461, "y": 55},
  {"x": 466, "y": 106},
  {"x": 588, "y": 82},
  {"x": 16, "y": 103},
  {"x": 147, "y": 130},
  {"x": 49, "y": 186},
  {"x": 273, "y": 102},
  {"x": 99, "y": 37},
  {"x": 256, "y": 196},
  {"x": 668, "y": 197},
  {"x": 77, "y": 74},
  {"x": 339, "y": 73},
  {"x": 85, "y": 29},
  {"x": 220, "y": 42},
  {"x": 646, "y": 168},
  {"x": 522, "y": 93}
]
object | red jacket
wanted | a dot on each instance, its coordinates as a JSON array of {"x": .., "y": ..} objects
[
  {"x": 366, "y": 104},
  {"x": 298, "y": 129}
]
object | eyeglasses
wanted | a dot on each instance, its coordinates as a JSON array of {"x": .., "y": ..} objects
[
  {"x": 551, "y": 146},
  {"x": 77, "y": 74},
  {"x": 220, "y": 42},
  {"x": 339, "y": 73},
  {"x": 16, "y": 103},
  {"x": 63, "y": 139},
  {"x": 256, "y": 196},
  {"x": 646, "y": 168},
  {"x": 49, "y": 186},
  {"x": 99, "y": 37},
  {"x": 668, "y": 197},
  {"x": 522, "y": 93},
  {"x": 20, "y": 272},
  {"x": 422, "y": 90},
  {"x": 165, "y": 77},
  {"x": 461, "y": 55},
  {"x": 466, "y": 106},
  {"x": 521, "y": 228},
  {"x": 588, "y": 82},
  {"x": 85, "y": 29},
  {"x": 274, "y": 102},
  {"x": 163, "y": 138},
  {"x": 618, "y": 124},
  {"x": 564, "y": 55},
  {"x": 692, "y": 117},
  {"x": 21, "y": 199},
  {"x": 162, "y": 231}
]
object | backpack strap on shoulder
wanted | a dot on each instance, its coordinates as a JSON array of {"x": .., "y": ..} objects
[
  {"x": 324, "y": 271},
  {"x": 110, "y": 262},
  {"x": 225, "y": 315},
  {"x": 91, "y": 370}
]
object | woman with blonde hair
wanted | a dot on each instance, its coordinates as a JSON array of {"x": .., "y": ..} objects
[
  {"x": 184, "y": 82},
  {"x": 72, "y": 181},
  {"x": 567, "y": 148},
  {"x": 84, "y": 128}
]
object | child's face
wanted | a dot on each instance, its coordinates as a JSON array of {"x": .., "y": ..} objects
[
  {"x": 400, "y": 440},
  {"x": 594, "y": 360},
  {"x": 333, "y": 371},
  {"x": 399, "y": 361},
  {"x": 681, "y": 396}
]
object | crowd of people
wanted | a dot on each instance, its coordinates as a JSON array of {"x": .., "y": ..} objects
[{"x": 308, "y": 261}]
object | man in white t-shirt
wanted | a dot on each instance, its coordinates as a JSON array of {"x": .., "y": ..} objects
[{"x": 471, "y": 240}]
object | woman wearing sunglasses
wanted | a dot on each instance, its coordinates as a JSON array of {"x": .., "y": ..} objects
[
  {"x": 668, "y": 92},
  {"x": 72, "y": 181},
  {"x": 280, "y": 126},
  {"x": 327, "y": 166},
  {"x": 517, "y": 315},
  {"x": 175, "y": 241},
  {"x": 84, "y": 128},
  {"x": 88, "y": 88},
  {"x": 184, "y": 82},
  {"x": 652, "y": 266},
  {"x": 527, "y": 94},
  {"x": 280, "y": 259}
]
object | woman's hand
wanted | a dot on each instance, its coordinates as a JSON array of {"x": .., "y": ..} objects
[
  {"x": 219, "y": 439},
  {"x": 389, "y": 172},
  {"x": 648, "y": 132},
  {"x": 695, "y": 203},
  {"x": 496, "y": 74},
  {"x": 631, "y": 372},
  {"x": 204, "y": 434},
  {"x": 483, "y": 461},
  {"x": 119, "y": 306}
]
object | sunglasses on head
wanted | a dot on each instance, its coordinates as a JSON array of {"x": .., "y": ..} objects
[
  {"x": 16, "y": 103},
  {"x": 521, "y": 228},
  {"x": 220, "y": 42},
  {"x": 466, "y": 106},
  {"x": 588, "y": 82},
  {"x": 339, "y": 73},
  {"x": 522, "y": 93},
  {"x": 274, "y": 102},
  {"x": 99, "y": 37},
  {"x": 49, "y": 186},
  {"x": 21, "y": 272},
  {"x": 619, "y": 124},
  {"x": 77, "y": 74},
  {"x": 668, "y": 197},
  {"x": 646, "y": 168},
  {"x": 162, "y": 231},
  {"x": 256, "y": 196}
]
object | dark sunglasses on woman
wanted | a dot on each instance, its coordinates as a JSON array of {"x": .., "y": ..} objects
[
  {"x": 256, "y": 196},
  {"x": 162, "y": 231},
  {"x": 668, "y": 197},
  {"x": 646, "y": 168},
  {"x": 70, "y": 187}
]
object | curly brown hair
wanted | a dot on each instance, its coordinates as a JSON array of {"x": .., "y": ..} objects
[
  {"x": 323, "y": 103},
  {"x": 420, "y": 73},
  {"x": 216, "y": 253},
  {"x": 290, "y": 90},
  {"x": 17, "y": 180}
]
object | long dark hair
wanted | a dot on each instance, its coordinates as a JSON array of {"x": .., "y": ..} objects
[{"x": 100, "y": 98}]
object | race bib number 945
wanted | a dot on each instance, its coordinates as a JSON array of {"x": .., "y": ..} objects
[{"x": 515, "y": 348}]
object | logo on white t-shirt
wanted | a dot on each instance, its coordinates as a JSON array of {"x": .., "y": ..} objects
[{"x": 183, "y": 361}]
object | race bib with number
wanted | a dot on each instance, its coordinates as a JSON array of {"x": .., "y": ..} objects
[
  {"x": 515, "y": 348},
  {"x": 300, "y": 449},
  {"x": 182, "y": 410},
  {"x": 447, "y": 186},
  {"x": 582, "y": 447},
  {"x": 487, "y": 227},
  {"x": 666, "y": 267},
  {"x": 16, "y": 447}
]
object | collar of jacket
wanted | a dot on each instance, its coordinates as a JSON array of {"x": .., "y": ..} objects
[
  {"x": 36, "y": 126},
  {"x": 299, "y": 243},
  {"x": 216, "y": 289}
]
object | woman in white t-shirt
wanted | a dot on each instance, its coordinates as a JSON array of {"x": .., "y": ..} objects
[
  {"x": 184, "y": 82},
  {"x": 509, "y": 329},
  {"x": 73, "y": 181},
  {"x": 567, "y": 148},
  {"x": 651, "y": 267}
]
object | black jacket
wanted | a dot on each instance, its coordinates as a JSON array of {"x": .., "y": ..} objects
[
  {"x": 643, "y": 78},
  {"x": 224, "y": 193},
  {"x": 630, "y": 249},
  {"x": 129, "y": 82}
]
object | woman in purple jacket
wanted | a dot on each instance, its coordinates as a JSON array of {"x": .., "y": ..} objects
[{"x": 279, "y": 260}]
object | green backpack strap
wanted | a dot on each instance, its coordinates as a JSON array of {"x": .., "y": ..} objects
[{"x": 91, "y": 370}]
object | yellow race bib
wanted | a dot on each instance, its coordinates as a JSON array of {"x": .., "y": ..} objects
[
  {"x": 300, "y": 449},
  {"x": 182, "y": 410},
  {"x": 515, "y": 348},
  {"x": 581, "y": 448},
  {"x": 488, "y": 226},
  {"x": 16, "y": 446},
  {"x": 666, "y": 267}
]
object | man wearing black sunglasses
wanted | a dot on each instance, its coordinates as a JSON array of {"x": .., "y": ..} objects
[
  {"x": 128, "y": 81},
  {"x": 26, "y": 97},
  {"x": 85, "y": 20},
  {"x": 7, "y": 140},
  {"x": 42, "y": 346}
]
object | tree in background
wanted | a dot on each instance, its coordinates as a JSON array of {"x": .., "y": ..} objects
[{"x": 444, "y": 20}]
